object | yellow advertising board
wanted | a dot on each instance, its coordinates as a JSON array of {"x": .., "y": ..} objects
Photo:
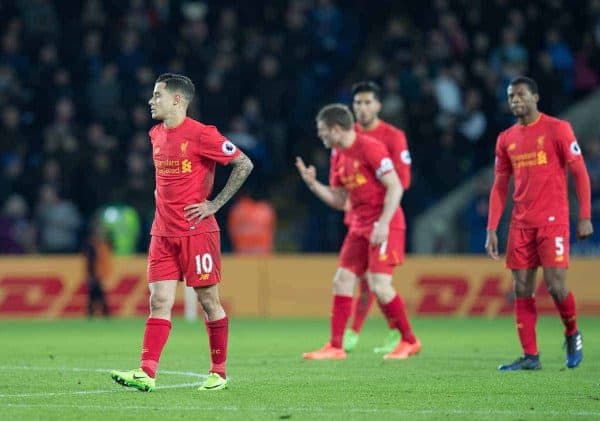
[{"x": 283, "y": 285}]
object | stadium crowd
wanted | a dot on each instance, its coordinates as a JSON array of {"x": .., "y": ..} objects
[{"x": 75, "y": 79}]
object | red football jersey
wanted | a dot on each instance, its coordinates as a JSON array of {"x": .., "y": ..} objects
[
  {"x": 397, "y": 146},
  {"x": 395, "y": 141},
  {"x": 537, "y": 156},
  {"x": 357, "y": 169},
  {"x": 184, "y": 161}
]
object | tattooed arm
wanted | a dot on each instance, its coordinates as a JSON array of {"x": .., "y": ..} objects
[{"x": 242, "y": 166}]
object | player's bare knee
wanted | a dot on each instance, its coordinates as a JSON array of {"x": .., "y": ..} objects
[
  {"x": 378, "y": 289},
  {"x": 381, "y": 285},
  {"x": 522, "y": 289},
  {"x": 556, "y": 283},
  {"x": 208, "y": 302},
  {"x": 557, "y": 290},
  {"x": 343, "y": 282},
  {"x": 523, "y": 284},
  {"x": 160, "y": 303}
]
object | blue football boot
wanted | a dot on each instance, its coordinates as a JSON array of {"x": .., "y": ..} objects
[
  {"x": 527, "y": 362},
  {"x": 574, "y": 345}
]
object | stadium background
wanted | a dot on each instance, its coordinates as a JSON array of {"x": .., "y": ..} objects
[{"x": 75, "y": 78}]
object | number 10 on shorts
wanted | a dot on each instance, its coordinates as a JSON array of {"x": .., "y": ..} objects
[{"x": 204, "y": 265}]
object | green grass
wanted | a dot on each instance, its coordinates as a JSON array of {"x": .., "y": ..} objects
[{"x": 59, "y": 370}]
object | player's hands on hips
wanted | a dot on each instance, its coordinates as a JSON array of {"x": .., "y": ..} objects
[
  {"x": 491, "y": 244},
  {"x": 308, "y": 174},
  {"x": 198, "y": 211},
  {"x": 380, "y": 233},
  {"x": 584, "y": 228}
]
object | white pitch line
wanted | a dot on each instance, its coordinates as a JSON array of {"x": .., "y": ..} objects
[
  {"x": 96, "y": 370},
  {"x": 391, "y": 411}
]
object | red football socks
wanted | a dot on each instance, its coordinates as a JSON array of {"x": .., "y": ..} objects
[
  {"x": 568, "y": 314},
  {"x": 340, "y": 313},
  {"x": 395, "y": 313},
  {"x": 218, "y": 332},
  {"x": 155, "y": 338},
  {"x": 526, "y": 317},
  {"x": 362, "y": 305}
]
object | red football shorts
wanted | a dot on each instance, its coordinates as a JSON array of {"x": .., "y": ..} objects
[
  {"x": 195, "y": 258},
  {"x": 533, "y": 247},
  {"x": 358, "y": 255}
]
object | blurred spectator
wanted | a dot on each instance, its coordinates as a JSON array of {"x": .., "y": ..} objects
[
  {"x": 511, "y": 57},
  {"x": 393, "y": 107},
  {"x": 448, "y": 94},
  {"x": 92, "y": 14},
  {"x": 40, "y": 19},
  {"x": 12, "y": 175},
  {"x": 585, "y": 77},
  {"x": 251, "y": 225},
  {"x": 473, "y": 121},
  {"x": 17, "y": 233},
  {"x": 238, "y": 133},
  {"x": 561, "y": 56},
  {"x": 58, "y": 222},
  {"x": 271, "y": 87},
  {"x": 91, "y": 62},
  {"x": 122, "y": 224},
  {"x": 13, "y": 140},
  {"x": 551, "y": 84},
  {"x": 451, "y": 162},
  {"x": 104, "y": 95},
  {"x": 475, "y": 219}
]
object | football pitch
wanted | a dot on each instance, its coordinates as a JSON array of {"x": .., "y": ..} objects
[{"x": 58, "y": 370}]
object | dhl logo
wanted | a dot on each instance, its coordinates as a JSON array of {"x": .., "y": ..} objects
[
  {"x": 32, "y": 296},
  {"x": 51, "y": 296}
]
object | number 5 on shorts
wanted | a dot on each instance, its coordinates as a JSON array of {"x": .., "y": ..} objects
[
  {"x": 204, "y": 263},
  {"x": 560, "y": 246}
]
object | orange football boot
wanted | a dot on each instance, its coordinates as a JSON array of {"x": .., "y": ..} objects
[
  {"x": 403, "y": 350},
  {"x": 328, "y": 352}
]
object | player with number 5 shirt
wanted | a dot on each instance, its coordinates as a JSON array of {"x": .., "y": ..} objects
[{"x": 537, "y": 152}]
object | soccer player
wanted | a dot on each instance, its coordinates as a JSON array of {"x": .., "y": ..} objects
[
  {"x": 537, "y": 151},
  {"x": 185, "y": 241},
  {"x": 364, "y": 174},
  {"x": 366, "y": 105}
]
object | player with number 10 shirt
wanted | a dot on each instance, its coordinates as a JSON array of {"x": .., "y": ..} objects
[{"x": 185, "y": 242}]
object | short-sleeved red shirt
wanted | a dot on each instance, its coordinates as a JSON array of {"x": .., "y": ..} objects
[
  {"x": 184, "y": 161},
  {"x": 395, "y": 141},
  {"x": 358, "y": 169},
  {"x": 537, "y": 156}
]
